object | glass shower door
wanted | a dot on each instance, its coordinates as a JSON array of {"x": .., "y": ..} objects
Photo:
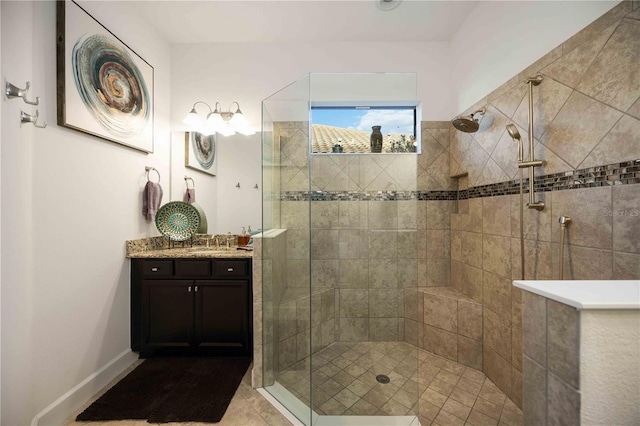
[
  {"x": 284, "y": 250},
  {"x": 339, "y": 251}
]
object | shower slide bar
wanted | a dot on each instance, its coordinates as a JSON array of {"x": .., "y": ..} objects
[{"x": 533, "y": 204}]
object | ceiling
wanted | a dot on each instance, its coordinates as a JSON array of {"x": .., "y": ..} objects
[{"x": 251, "y": 21}]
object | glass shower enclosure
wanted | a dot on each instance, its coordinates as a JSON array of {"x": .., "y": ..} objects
[{"x": 339, "y": 248}]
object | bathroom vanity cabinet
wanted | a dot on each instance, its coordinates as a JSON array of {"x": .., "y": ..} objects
[{"x": 191, "y": 307}]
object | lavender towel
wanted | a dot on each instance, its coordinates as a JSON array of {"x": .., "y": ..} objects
[
  {"x": 151, "y": 200},
  {"x": 190, "y": 196}
]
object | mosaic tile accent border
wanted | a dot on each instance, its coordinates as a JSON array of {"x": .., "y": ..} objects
[
  {"x": 625, "y": 173},
  {"x": 367, "y": 195}
]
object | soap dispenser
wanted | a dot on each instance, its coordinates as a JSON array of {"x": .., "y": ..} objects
[{"x": 243, "y": 239}]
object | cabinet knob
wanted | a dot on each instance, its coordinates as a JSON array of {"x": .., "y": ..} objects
[
  {"x": 189, "y": 289},
  {"x": 196, "y": 289},
  {"x": 154, "y": 269},
  {"x": 229, "y": 269}
]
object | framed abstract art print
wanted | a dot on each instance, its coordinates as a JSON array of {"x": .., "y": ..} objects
[
  {"x": 104, "y": 88},
  {"x": 200, "y": 152}
]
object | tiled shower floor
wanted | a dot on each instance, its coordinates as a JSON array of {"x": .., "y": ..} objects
[{"x": 441, "y": 392}]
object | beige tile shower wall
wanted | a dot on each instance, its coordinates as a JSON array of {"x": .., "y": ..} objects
[
  {"x": 366, "y": 251},
  {"x": 363, "y": 172},
  {"x": 445, "y": 322},
  {"x": 270, "y": 177},
  {"x": 269, "y": 285},
  {"x": 586, "y": 113},
  {"x": 586, "y": 110},
  {"x": 602, "y": 243},
  {"x": 305, "y": 325},
  {"x": 481, "y": 268}
]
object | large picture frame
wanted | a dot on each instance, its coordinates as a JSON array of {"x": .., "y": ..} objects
[
  {"x": 200, "y": 152},
  {"x": 104, "y": 88}
]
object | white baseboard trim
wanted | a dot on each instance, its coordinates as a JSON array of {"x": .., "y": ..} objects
[{"x": 59, "y": 410}]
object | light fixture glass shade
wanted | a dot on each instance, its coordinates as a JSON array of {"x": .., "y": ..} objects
[
  {"x": 238, "y": 120},
  {"x": 226, "y": 130},
  {"x": 206, "y": 130},
  {"x": 215, "y": 121},
  {"x": 193, "y": 119}
]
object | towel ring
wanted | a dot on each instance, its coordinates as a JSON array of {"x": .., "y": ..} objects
[
  {"x": 148, "y": 169},
  {"x": 186, "y": 182}
]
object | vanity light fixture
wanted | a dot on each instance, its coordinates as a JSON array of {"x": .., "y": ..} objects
[{"x": 217, "y": 121}]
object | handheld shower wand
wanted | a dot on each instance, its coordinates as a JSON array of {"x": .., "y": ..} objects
[{"x": 515, "y": 135}]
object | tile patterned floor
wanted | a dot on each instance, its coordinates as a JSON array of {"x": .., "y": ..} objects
[
  {"x": 247, "y": 408},
  {"x": 441, "y": 392}
]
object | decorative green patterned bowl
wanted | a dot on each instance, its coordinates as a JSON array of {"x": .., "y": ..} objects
[{"x": 177, "y": 220}]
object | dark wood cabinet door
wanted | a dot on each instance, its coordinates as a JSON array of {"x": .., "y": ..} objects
[
  {"x": 167, "y": 314},
  {"x": 222, "y": 317},
  {"x": 191, "y": 307}
]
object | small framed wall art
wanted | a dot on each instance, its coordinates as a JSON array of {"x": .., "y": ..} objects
[
  {"x": 104, "y": 88},
  {"x": 200, "y": 152}
]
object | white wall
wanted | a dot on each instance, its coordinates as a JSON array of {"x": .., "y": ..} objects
[
  {"x": 69, "y": 203},
  {"x": 609, "y": 367},
  {"x": 240, "y": 162},
  {"x": 501, "y": 38},
  {"x": 251, "y": 72}
]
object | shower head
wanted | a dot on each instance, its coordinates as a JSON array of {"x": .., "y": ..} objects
[
  {"x": 515, "y": 135},
  {"x": 467, "y": 123}
]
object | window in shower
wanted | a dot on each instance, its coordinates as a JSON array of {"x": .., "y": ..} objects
[{"x": 354, "y": 129}]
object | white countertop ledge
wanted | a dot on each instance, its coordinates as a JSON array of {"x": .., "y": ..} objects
[{"x": 588, "y": 294}]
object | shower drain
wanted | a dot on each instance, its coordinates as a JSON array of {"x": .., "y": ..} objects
[{"x": 381, "y": 378}]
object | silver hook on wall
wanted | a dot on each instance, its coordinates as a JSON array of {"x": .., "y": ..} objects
[
  {"x": 15, "y": 92},
  {"x": 238, "y": 185},
  {"x": 256, "y": 186},
  {"x": 186, "y": 181},
  {"x": 148, "y": 169},
  {"x": 28, "y": 118}
]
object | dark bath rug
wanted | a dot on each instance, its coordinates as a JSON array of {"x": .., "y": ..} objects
[{"x": 163, "y": 390}]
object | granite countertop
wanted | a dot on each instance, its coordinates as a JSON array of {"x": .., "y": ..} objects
[{"x": 158, "y": 248}]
